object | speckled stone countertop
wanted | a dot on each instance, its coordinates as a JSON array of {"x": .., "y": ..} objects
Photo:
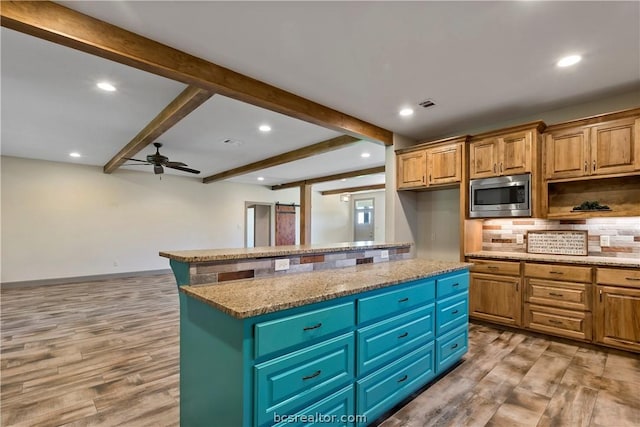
[
  {"x": 567, "y": 259},
  {"x": 205, "y": 255},
  {"x": 248, "y": 298}
]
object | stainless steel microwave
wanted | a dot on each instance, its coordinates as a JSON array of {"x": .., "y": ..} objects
[{"x": 504, "y": 196}]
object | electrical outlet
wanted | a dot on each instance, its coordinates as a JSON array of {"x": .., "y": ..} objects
[
  {"x": 605, "y": 241},
  {"x": 282, "y": 264},
  {"x": 384, "y": 254},
  {"x": 115, "y": 262},
  {"x": 519, "y": 239}
]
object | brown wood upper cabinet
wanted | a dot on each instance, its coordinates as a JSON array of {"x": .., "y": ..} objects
[
  {"x": 604, "y": 148},
  {"x": 509, "y": 151},
  {"x": 430, "y": 164}
]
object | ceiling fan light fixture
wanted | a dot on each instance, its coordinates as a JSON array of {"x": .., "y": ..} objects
[{"x": 106, "y": 86}]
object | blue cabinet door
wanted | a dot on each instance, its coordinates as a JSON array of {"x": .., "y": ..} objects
[
  {"x": 396, "y": 301},
  {"x": 336, "y": 410},
  {"x": 385, "y": 341},
  {"x": 293, "y": 381},
  {"x": 452, "y": 312},
  {"x": 451, "y": 347}
]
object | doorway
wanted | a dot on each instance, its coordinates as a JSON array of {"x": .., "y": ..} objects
[
  {"x": 363, "y": 216},
  {"x": 258, "y": 225}
]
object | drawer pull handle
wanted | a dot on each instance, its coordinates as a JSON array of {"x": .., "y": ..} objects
[
  {"x": 636, "y": 279},
  {"x": 454, "y": 346},
  {"x": 405, "y": 299},
  {"x": 308, "y": 328},
  {"x": 315, "y": 374},
  {"x": 492, "y": 267},
  {"x": 454, "y": 312},
  {"x": 556, "y": 272},
  {"x": 555, "y": 322},
  {"x": 455, "y": 285},
  {"x": 553, "y": 294},
  {"x": 403, "y": 379},
  {"x": 406, "y": 334}
]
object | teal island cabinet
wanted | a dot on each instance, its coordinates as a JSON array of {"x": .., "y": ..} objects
[{"x": 332, "y": 347}]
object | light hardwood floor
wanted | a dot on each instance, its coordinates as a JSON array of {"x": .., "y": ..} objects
[{"x": 106, "y": 353}]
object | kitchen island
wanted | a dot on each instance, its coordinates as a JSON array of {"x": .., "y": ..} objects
[{"x": 342, "y": 344}]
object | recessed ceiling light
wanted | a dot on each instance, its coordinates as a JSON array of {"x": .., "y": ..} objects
[
  {"x": 74, "y": 154},
  {"x": 567, "y": 61},
  {"x": 343, "y": 179},
  {"x": 106, "y": 86},
  {"x": 260, "y": 178},
  {"x": 406, "y": 112},
  {"x": 365, "y": 155},
  {"x": 264, "y": 128}
]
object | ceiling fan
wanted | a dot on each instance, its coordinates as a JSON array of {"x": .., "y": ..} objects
[{"x": 159, "y": 161}]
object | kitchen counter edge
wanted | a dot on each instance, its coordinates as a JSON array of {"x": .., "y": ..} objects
[
  {"x": 566, "y": 259},
  {"x": 248, "y": 298}
]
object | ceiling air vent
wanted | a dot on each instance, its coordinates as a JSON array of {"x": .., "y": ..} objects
[
  {"x": 427, "y": 103},
  {"x": 231, "y": 142}
]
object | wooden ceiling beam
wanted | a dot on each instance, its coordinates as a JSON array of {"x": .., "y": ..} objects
[
  {"x": 290, "y": 156},
  {"x": 353, "y": 189},
  {"x": 64, "y": 26},
  {"x": 190, "y": 99},
  {"x": 310, "y": 181}
]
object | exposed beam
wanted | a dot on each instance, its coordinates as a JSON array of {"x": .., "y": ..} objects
[
  {"x": 190, "y": 99},
  {"x": 354, "y": 189},
  {"x": 300, "y": 153},
  {"x": 58, "y": 24},
  {"x": 368, "y": 171},
  {"x": 305, "y": 214}
]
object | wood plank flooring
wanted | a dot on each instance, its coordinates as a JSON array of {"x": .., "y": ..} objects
[{"x": 106, "y": 354}]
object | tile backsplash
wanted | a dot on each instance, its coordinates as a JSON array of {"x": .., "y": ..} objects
[{"x": 624, "y": 234}]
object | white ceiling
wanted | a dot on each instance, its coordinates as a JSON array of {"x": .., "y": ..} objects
[{"x": 481, "y": 62}]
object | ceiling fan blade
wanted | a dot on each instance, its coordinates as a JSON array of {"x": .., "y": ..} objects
[
  {"x": 136, "y": 160},
  {"x": 136, "y": 164},
  {"x": 157, "y": 169},
  {"x": 172, "y": 164},
  {"x": 180, "y": 168}
]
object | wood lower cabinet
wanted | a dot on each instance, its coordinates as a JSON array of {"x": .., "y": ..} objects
[
  {"x": 558, "y": 300},
  {"x": 617, "y": 308},
  {"x": 495, "y": 297}
]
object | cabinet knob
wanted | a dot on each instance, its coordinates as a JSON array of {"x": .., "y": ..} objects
[
  {"x": 429, "y": 177},
  {"x": 500, "y": 167},
  {"x": 586, "y": 168},
  {"x": 494, "y": 168},
  {"x": 594, "y": 165}
]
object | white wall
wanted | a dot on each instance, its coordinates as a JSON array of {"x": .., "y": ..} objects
[
  {"x": 64, "y": 220},
  {"x": 438, "y": 224},
  {"x": 332, "y": 219}
]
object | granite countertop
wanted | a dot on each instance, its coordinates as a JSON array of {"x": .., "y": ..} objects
[
  {"x": 205, "y": 255},
  {"x": 567, "y": 259},
  {"x": 248, "y": 298}
]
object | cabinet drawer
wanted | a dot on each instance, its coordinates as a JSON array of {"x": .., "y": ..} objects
[
  {"x": 452, "y": 285},
  {"x": 451, "y": 347},
  {"x": 452, "y": 312},
  {"x": 290, "y": 331},
  {"x": 619, "y": 277},
  {"x": 495, "y": 267},
  {"x": 558, "y": 272},
  {"x": 385, "y": 341},
  {"x": 297, "y": 379},
  {"x": 555, "y": 321},
  {"x": 380, "y": 391},
  {"x": 395, "y": 302},
  {"x": 338, "y": 406},
  {"x": 575, "y": 296}
]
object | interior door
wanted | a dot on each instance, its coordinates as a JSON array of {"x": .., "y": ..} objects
[
  {"x": 285, "y": 225},
  {"x": 363, "y": 215}
]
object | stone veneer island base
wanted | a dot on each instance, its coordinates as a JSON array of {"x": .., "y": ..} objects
[{"x": 342, "y": 345}]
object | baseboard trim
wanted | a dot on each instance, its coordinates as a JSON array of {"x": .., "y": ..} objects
[{"x": 80, "y": 279}]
